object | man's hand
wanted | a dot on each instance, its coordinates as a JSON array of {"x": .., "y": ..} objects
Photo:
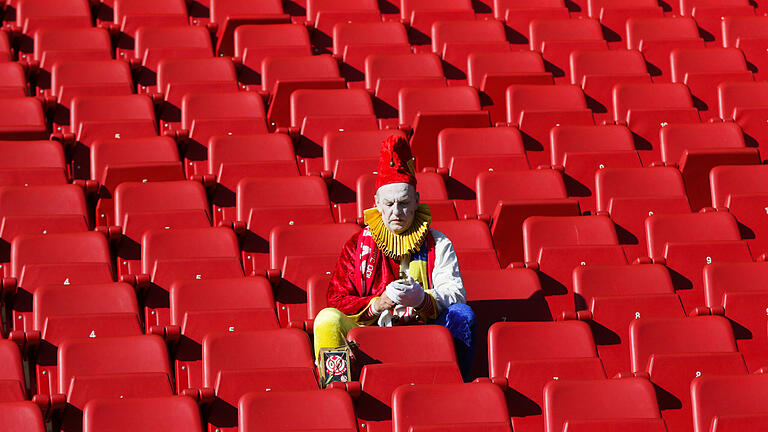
[
  {"x": 383, "y": 303},
  {"x": 408, "y": 293}
]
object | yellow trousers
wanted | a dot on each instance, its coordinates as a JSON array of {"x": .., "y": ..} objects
[{"x": 331, "y": 327}]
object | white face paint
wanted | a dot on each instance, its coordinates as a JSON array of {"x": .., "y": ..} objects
[{"x": 397, "y": 203}]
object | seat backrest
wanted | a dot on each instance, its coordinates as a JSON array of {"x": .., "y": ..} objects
[
  {"x": 131, "y": 152},
  {"x": 43, "y": 200},
  {"x": 170, "y": 414},
  {"x": 728, "y": 180},
  {"x": 347, "y": 102},
  {"x": 89, "y": 72},
  {"x": 542, "y": 98},
  {"x": 743, "y": 27},
  {"x": 178, "y": 71},
  {"x": 407, "y": 7},
  {"x": 703, "y": 334},
  {"x": 34, "y": 14},
  {"x": 159, "y": 244},
  {"x": 438, "y": 99},
  {"x": 110, "y": 108},
  {"x": 49, "y": 40},
  {"x": 346, "y": 34},
  {"x": 660, "y": 29},
  {"x": 533, "y": 185},
  {"x": 86, "y": 247},
  {"x": 11, "y": 368},
  {"x": 354, "y": 145},
  {"x": 607, "y": 62},
  {"x": 149, "y": 38},
  {"x": 219, "y": 294},
  {"x": 22, "y": 416},
  {"x": 288, "y": 348},
  {"x": 411, "y": 407},
  {"x": 465, "y": 234},
  {"x": 248, "y": 148},
  {"x": 726, "y": 395},
  {"x": 111, "y": 355},
  {"x": 31, "y": 154},
  {"x": 235, "y": 105},
  {"x": 404, "y": 343},
  {"x": 270, "y": 35},
  {"x": 476, "y": 142},
  {"x": 445, "y": 32},
  {"x": 126, "y": 11},
  {"x": 584, "y": 139},
  {"x": 83, "y": 299},
  {"x": 542, "y": 30},
  {"x": 221, "y": 9},
  {"x": 543, "y": 231},
  {"x": 722, "y": 278},
  {"x": 280, "y": 192},
  {"x": 637, "y": 183},
  {"x": 649, "y": 96},
  {"x": 292, "y": 240},
  {"x": 677, "y": 138},
  {"x": 630, "y": 398},
  {"x": 331, "y": 409},
  {"x": 314, "y": 7},
  {"x": 296, "y": 68},
  {"x": 661, "y": 229},
  {"x": 522, "y": 341},
  {"x": 741, "y": 94},
  {"x": 382, "y": 66},
  {"x": 687, "y": 7},
  {"x": 621, "y": 280},
  {"x": 156, "y": 197},
  {"x": 479, "y": 64},
  {"x": 706, "y": 60}
]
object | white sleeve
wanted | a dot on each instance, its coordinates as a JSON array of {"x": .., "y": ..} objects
[{"x": 448, "y": 287}]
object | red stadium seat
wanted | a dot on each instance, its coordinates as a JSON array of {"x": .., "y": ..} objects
[
  {"x": 253, "y": 43},
  {"x": 736, "y": 289},
  {"x": 14, "y": 81},
  {"x": 746, "y": 102},
  {"x": 429, "y": 110},
  {"x": 110, "y": 367},
  {"x": 582, "y": 151},
  {"x": 22, "y": 119},
  {"x": 12, "y": 384},
  {"x": 22, "y": 416},
  {"x": 204, "y": 115},
  {"x": 232, "y": 158},
  {"x": 614, "y": 15},
  {"x": 297, "y": 260},
  {"x": 421, "y": 14},
  {"x": 674, "y": 351},
  {"x": 330, "y": 410},
  {"x": 264, "y": 203},
  {"x": 657, "y": 37},
  {"x": 386, "y": 74},
  {"x": 30, "y": 163},
  {"x": 472, "y": 242},
  {"x": 354, "y": 41},
  {"x": 535, "y": 109},
  {"x": 557, "y": 245},
  {"x": 717, "y": 398},
  {"x": 629, "y": 195},
  {"x": 323, "y": 15},
  {"x": 453, "y": 41},
  {"x": 749, "y": 35},
  {"x": 140, "y": 207},
  {"x": 555, "y": 39},
  {"x": 508, "y": 198},
  {"x": 411, "y": 410},
  {"x": 281, "y": 76},
  {"x": 518, "y": 14},
  {"x": 154, "y": 44},
  {"x": 646, "y": 108},
  {"x": 741, "y": 190},
  {"x": 316, "y": 112},
  {"x": 702, "y": 69},
  {"x": 52, "y": 44},
  {"x": 570, "y": 401},
  {"x": 697, "y": 148},
  {"x": 130, "y": 160},
  {"x": 63, "y": 312},
  {"x": 129, "y": 15},
  {"x": 172, "y": 255},
  {"x": 492, "y": 72},
  {"x": 200, "y": 307},
  {"x": 709, "y": 16},
  {"x": 32, "y": 15},
  {"x": 597, "y": 72},
  {"x": 44, "y": 259},
  {"x": 227, "y": 15},
  {"x": 686, "y": 242},
  {"x": 526, "y": 356},
  {"x": 105, "y": 117},
  {"x": 235, "y": 363},
  {"x": 170, "y": 413},
  {"x": 615, "y": 295}
]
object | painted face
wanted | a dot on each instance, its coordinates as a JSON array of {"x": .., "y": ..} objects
[{"x": 397, "y": 203}]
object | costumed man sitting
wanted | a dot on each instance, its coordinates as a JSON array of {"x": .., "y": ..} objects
[{"x": 397, "y": 270}]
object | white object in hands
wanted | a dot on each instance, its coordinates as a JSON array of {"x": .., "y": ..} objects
[{"x": 407, "y": 293}]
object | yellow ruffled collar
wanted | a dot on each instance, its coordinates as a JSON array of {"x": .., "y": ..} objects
[{"x": 393, "y": 245}]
